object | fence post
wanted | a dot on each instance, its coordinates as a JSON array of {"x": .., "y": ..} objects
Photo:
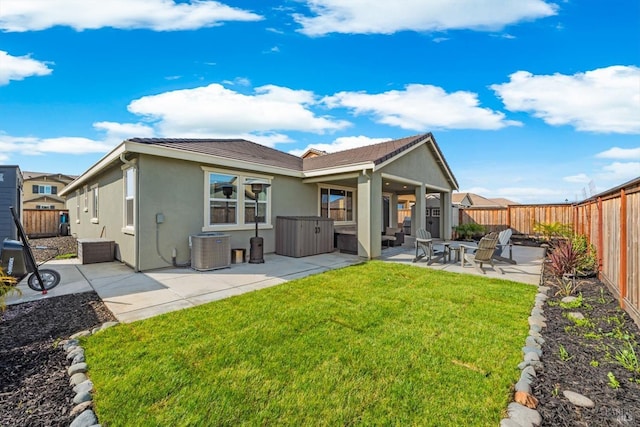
[
  {"x": 623, "y": 247},
  {"x": 508, "y": 216},
  {"x": 600, "y": 243}
]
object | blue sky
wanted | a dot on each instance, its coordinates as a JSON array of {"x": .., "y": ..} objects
[{"x": 532, "y": 100}]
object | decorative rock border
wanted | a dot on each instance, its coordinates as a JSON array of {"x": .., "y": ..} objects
[
  {"x": 82, "y": 386},
  {"x": 522, "y": 411}
]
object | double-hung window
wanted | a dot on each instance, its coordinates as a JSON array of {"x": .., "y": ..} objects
[
  {"x": 95, "y": 208},
  {"x": 337, "y": 204},
  {"x": 45, "y": 189},
  {"x": 223, "y": 199},
  {"x": 129, "y": 197},
  {"x": 230, "y": 202}
]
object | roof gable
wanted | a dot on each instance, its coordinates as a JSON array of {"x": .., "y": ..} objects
[{"x": 379, "y": 154}]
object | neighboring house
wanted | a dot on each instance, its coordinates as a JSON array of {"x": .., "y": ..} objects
[
  {"x": 42, "y": 190},
  {"x": 10, "y": 195},
  {"x": 471, "y": 200},
  {"x": 150, "y": 194}
]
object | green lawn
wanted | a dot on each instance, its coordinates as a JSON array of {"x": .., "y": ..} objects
[{"x": 376, "y": 343}]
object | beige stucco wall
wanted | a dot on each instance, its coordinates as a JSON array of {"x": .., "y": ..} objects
[
  {"x": 418, "y": 165},
  {"x": 43, "y": 199},
  {"x": 176, "y": 189},
  {"x": 110, "y": 216}
]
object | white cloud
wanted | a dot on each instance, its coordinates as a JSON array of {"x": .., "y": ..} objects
[
  {"x": 341, "y": 144},
  {"x": 619, "y": 172},
  {"x": 158, "y": 15},
  {"x": 388, "y": 17},
  {"x": 620, "y": 153},
  {"x": 20, "y": 67},
  {"x": 215, "y": 111},
  {"x": 580, "y": 178},
  {"x": 603, "y": 100},
  {"x": 422, "y": 107},
  {"x": 114, "y": 133},
  {"x": 38, "y": 146},
  {"x": 118, "y": 132}
]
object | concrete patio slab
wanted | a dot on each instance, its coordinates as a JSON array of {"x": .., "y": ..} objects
[{"x": 135, "y": 296}]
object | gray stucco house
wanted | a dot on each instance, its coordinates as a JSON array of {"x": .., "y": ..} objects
[{"x": 201, "y": 185}]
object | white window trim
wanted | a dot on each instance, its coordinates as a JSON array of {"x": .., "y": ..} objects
[
  {"x": 85, "y": 195},
  {"x": 241, "y": 201},
  {"x": 354, "y": 202},
  {"x": 78, "y": 206},
  {"x": 129, "y": 229},
  {"x": 95, "y": 209}
]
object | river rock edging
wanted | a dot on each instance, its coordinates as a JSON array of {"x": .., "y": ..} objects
[{"x": 82, "y": 386}]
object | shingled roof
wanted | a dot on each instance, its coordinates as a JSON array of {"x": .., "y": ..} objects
[
  {"x": 237, "y": 149},
  {"x": 376, "y": 154}
]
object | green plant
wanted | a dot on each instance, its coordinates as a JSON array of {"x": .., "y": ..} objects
[
  {"x": 573, "y": 304},
  {"x": 556, "y": 390},
  {"x": 67, "y": 256},
  {"x": 566, "y": 286},
  {"x": 7, "y": 287},
  {"x": 601, "y": 300},
  {"x": 564, "y": 259},
  {"x": 564, "y": 354},
  {"x": 552, "y": 230},
  {"x": 594, "y": 363},
  {"x": 587, "y": 261},
  {"x": 468, "y": 231},
  {"x": 628, "y": 358},
  {"x": 613, "y": 382}
]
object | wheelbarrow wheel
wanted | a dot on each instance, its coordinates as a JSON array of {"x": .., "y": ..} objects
[{"x": 50, "y": 279}]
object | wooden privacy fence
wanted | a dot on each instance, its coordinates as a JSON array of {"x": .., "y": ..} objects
[
  {"x": 520, "y": 218},
  {"x": 611, "y": 222},
  {"x": 42, "y": 222}
]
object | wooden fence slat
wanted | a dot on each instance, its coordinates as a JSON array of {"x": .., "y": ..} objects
[
  {"x": 42, "y": 222},
  {"x": 611, "y": 224}
]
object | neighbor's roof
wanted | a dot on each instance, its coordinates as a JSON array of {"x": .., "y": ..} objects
[
  {"x": 237, "y": 149},
  {"x": 478, "y": 201},
  {"x": 57, "y": 176}
]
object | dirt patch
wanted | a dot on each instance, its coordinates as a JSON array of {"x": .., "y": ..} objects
[{"x": 48, "y": 248}]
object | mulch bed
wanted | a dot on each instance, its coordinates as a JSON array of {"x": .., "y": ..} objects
[
  {"x": 591, "y": 349},
  {"x": 34, "y": 386}
]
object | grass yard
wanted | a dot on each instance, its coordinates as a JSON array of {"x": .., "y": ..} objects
[{"x": 376, "y": 343}]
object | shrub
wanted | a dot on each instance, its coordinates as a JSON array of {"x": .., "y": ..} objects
[
  {"x": 552, "y": 230},
  {"x": 468, "y": 231},
  {"x": 7, "y": 287},
  {"x": 564, "y": 259},
  {"x": 587, "y": 261}
]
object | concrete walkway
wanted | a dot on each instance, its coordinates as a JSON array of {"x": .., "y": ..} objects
[{"x": 134, "y": 296}]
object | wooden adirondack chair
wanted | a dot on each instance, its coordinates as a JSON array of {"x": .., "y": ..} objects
[
  {"x": 424, "y": 243},
  {"x": 483, "y": 253},
  {"x": 504, "y": 241}
]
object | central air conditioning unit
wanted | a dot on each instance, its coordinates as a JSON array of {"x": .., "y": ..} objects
[{"x": 210, "y": 251}]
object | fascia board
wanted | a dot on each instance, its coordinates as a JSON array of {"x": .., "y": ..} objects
[{"x": 353, "y": 167}]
